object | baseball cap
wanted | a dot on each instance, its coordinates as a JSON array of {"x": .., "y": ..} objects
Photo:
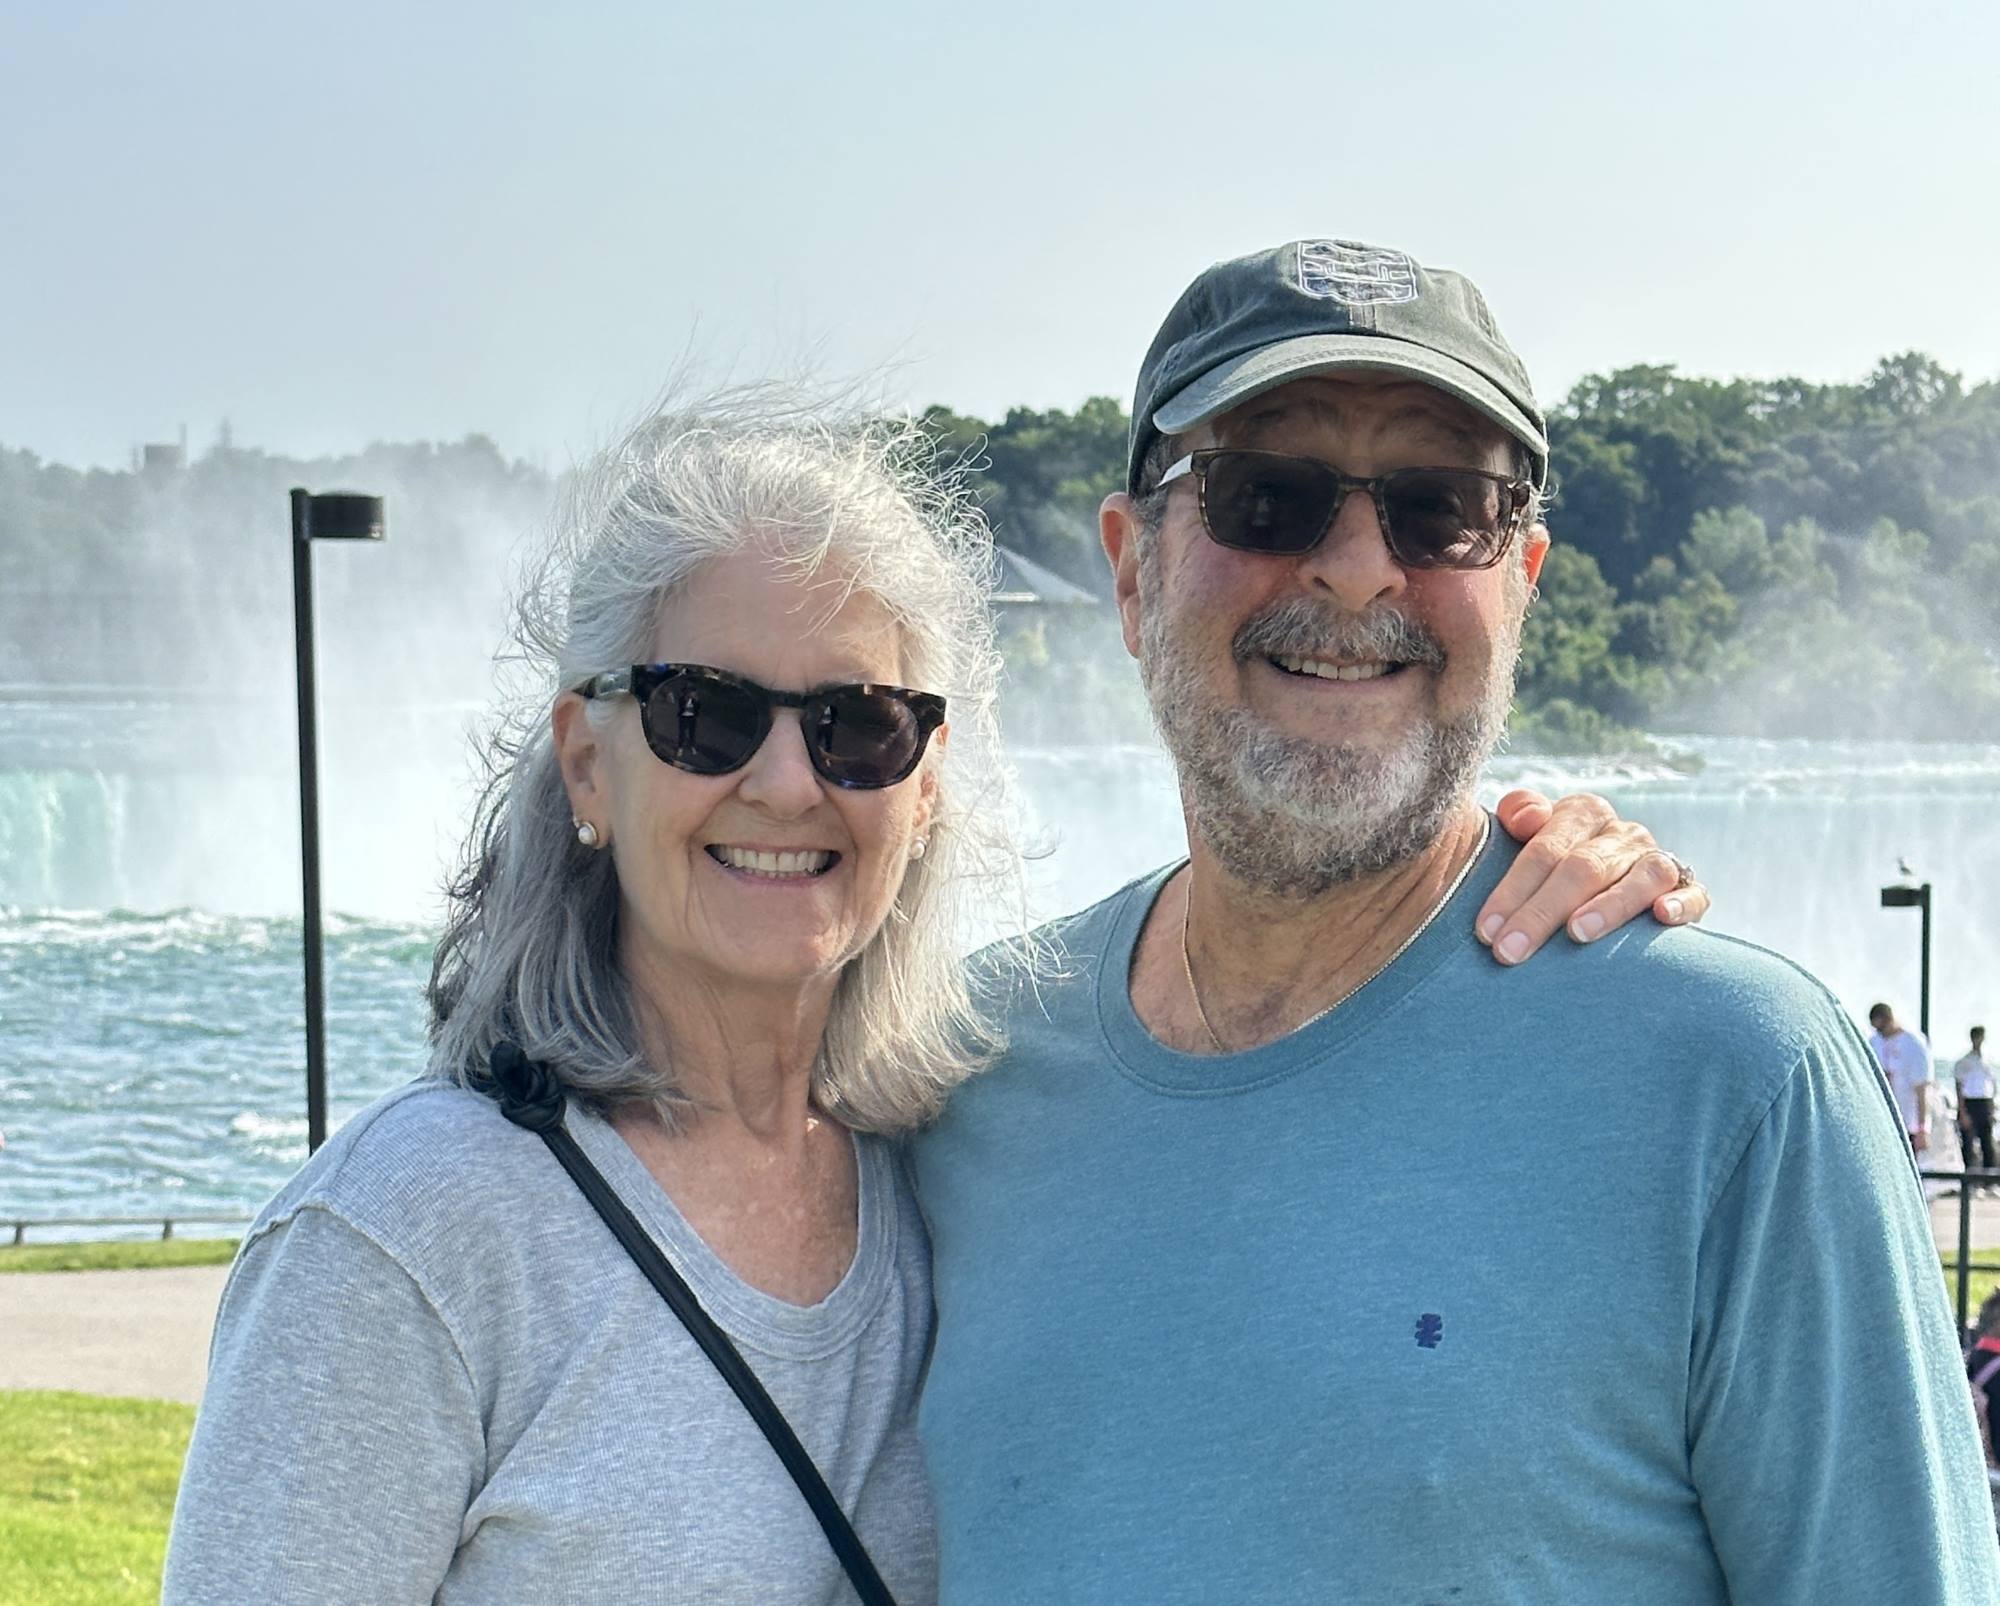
[{"x": 1251, "y": 324}]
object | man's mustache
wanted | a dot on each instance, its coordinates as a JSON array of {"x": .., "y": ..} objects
[{"x": 1301, "y": 628}]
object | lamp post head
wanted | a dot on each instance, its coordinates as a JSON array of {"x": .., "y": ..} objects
[
  {"x": 1906, "y": 897},
  {"x": 338, "y": 516}
]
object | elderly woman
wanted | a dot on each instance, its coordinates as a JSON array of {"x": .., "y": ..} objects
[{"x": 716, "y": 894}]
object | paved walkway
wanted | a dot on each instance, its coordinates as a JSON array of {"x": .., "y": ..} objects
[
  {"x": 145, "y": 1333},
  {"x": 142, "y": 1333}
]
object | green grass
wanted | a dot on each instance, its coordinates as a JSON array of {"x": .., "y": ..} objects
[
  {"x": 1981, "y": 1283},
  {"x": 86, "y": 1493},
  {"x": 117, "y": 1256},
  {"x": 87, "y": 1483}
]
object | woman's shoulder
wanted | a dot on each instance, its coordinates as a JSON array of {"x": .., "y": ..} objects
[{"x": 419, "y": 1167}]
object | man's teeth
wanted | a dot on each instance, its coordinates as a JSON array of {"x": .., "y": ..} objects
[
  {"x": 808, "y": 863},
  {"x": 1327, "y": 671}
]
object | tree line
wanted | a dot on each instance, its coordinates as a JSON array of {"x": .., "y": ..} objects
[{"x": 1732, "y": 556}]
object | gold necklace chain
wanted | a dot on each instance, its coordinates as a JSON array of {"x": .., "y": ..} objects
[{"x": 1436, "y": 909}]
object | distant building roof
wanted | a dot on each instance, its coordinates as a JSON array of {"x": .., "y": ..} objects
[{"x": 1025, "y": 581}]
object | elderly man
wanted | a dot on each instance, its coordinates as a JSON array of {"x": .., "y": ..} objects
[{"x": 1210, "y": 1329}]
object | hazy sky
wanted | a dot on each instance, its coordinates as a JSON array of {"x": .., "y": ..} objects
[{"x": 337, "y": 223}]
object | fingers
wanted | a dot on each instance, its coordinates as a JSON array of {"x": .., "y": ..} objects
[
  {"x": 1591, "y": 877},
  {"x": 1583, "y": 870},
  {"x": 1648, "y": 884},
  {"x": 1681, "y": 906},
  {"x": 1554, "y": 834},
  {"x": 1522, "y": 812}
]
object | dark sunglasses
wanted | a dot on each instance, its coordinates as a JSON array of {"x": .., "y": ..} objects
[
  {"x": 1432, "y": 518},
  {"x": 710, "y": 722}
]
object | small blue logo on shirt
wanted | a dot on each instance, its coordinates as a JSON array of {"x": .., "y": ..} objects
[{"x": 1430, "y": 1330}]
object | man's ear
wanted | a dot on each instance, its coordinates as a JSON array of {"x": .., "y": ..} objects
[
  {"x": 580, "y": 754},
  {"x": 1535, "y": 549},
  {"x": 1119, "y": 528}
]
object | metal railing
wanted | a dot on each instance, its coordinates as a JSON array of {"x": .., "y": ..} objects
[
  {"x": 1967, "y": 1181},
  {"x": 166, "y": 1224}
]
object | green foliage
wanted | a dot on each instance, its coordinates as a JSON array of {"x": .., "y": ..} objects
[
  {"x": 1561, "y": 726},
  {"x": 86, "y": 1493},
  {"x": 1572, "y": 665},
  {"x": 1872, "y": 609},
  {"x": 1757, "y": 556},
  {"x": 1041, "y": 477}
]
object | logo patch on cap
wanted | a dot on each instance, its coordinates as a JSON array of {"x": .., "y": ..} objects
[{"x": 1355, "y": 275}]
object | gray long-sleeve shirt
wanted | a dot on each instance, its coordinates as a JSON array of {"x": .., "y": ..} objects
[{"x": 436, "y": 1376}]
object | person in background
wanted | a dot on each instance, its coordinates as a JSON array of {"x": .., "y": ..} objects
[
  {"x": 1975, "y": 1103},
  {"x": 1905, "y": 1059},
  {"x": 1982, "y": 1370}
]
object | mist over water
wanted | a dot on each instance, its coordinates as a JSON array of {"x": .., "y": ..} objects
[
  {"x": 151, "y": 1058},
  {"x": 150, "y": 808},
  {"x": 151, "y": 1051}
]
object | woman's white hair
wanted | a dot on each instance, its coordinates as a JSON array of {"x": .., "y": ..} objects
[{"x": 530, "y": 950}]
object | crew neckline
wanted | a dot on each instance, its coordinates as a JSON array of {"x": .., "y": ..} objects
[
  {"x": 757, "y": 1319},
  {"x": 1143, "y": 1058}
]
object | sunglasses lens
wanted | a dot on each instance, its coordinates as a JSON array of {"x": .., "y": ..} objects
[
  {"x": 705, "y": 724},
  {"x": 1265, "y": 502},
  {"x": 865, "y": 738},
  {"x": 1443, "y": 519}
]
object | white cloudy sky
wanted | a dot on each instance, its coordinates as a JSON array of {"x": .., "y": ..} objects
[{"x": 335, "y": 223}]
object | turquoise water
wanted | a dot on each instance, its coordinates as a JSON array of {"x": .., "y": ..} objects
[
  {"x": 156, "y": 1063},
  {"x": 151, "y": 1052}
]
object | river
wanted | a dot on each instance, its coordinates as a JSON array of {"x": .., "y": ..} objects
[{"x": 151, "y": 1054}]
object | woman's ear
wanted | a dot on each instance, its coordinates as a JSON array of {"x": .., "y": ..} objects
[
  {"x": 580, "y": 755},
  {"x": 927, "y": 783},
  {"x": 927, "y": 786}
]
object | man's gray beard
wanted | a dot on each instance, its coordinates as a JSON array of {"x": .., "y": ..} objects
[{"x": 1294, "y": 817}]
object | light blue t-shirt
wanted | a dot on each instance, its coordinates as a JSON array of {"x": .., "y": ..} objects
[{"x": 1605, "y": 1280}]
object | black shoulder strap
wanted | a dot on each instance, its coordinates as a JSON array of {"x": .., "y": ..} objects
[{"x": 531, "y": 1098}]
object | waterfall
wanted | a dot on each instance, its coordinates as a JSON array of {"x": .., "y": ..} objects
[{"x": 151, "y": 808}]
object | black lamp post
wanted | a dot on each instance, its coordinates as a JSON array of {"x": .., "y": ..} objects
[
  {"x": 1909, "y": 897},
  {"x": 333, "y": 516}
]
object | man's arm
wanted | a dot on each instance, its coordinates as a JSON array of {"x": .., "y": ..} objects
[
  {"x": 1831, "y": 1433},
  {"x": 1917, "y": 1056}
]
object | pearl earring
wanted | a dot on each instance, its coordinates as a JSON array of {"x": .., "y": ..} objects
[
  {"x": 586, "y": 833},
  {"x": 919, "y": 848}
]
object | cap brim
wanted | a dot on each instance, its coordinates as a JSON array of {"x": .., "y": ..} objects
[{"x": 1266, "y": 368}]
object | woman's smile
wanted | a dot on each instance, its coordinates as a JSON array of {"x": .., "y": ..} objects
[{"x": 773, "y": 865}]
